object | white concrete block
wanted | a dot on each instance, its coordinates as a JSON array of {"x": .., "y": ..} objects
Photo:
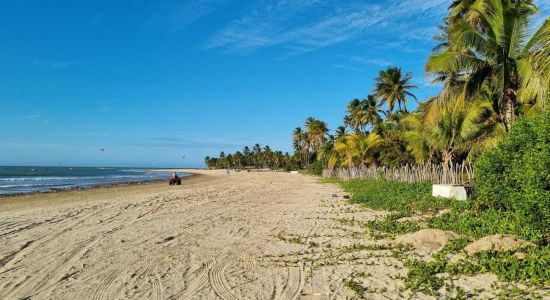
[{"x": 457, "y": 192}]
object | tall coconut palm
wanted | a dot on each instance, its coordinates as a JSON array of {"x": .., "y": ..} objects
[
  {"x": 355, "y": 116},
  {"x": 393, "y": 87},
  {"x": 247, "y": 156},
  {"x": 299, "y": 139},
  {"x": 498, "y": 53},
  {"x": 362, "y": 113},
  {"x": 317, "y": 131},
  {"x": 340, "y": 131},
  {"x": 373, "y": 110}
]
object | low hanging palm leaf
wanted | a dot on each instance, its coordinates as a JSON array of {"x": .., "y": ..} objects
[
  {"x": 417, "y": 133},
  {"x": 355, "y": 149}
]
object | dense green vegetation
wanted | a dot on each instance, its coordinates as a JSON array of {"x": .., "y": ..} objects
[
  {"x": 463, "y": 217},
  {"x": 491, "y": 67},
  {"x": 394, "y": 196},
  {"x": 512, "y": 187},
  {"x": 514, "y": 177},
  {"x": 428, "y": 277}
]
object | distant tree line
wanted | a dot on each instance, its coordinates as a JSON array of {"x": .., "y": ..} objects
[{"x": 255, "y": 157}]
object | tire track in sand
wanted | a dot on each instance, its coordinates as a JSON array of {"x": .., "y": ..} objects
[
  {"x": 195, "y": 285},
  {"x": 218, "y": 281},
  {"x": 294, "y": 284},
  {"x": 103, "y": 287}
]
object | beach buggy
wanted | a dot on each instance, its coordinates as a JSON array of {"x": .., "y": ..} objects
[{"x": 175, "y": 180}]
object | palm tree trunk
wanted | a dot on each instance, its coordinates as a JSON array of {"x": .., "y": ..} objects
[
  {"x": 509, "y": 115},
  {"x": 447, "y": 157}
]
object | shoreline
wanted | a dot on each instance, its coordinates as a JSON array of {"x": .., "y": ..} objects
[
  {"x": 92, "y": 187},
  {"x": 81, "y": 195}
]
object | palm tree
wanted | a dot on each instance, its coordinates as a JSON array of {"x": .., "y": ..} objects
[
  {"x": 462, "y": 129},
  {"x": 373, "y": 110},
  {"x": 317, "y": 131},
  {"x": 267, "y": 157},
  {"x": 354, "y": 119},
  {"x": 356, "y": 148},
  {"x": 497, "y": 53},
  {"x": 467, "y": 10},
  {"x": 340, "y": 131},
  {"x": 418, "y": 133},
  {"x": 248, "y": 161},
  {"x": 256, "y": 155},
  {"x": 362, "y": 113},
  {"x": 238, "y": 158},
  {"x": 393, "y": 87},
  {"x": 300, "y": 140}
]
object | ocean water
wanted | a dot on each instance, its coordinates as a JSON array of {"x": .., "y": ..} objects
[{"x": 14, "y": 180}]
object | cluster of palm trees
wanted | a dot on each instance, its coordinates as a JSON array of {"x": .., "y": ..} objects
[
  {"x": 257, "y": 157},
  {"x": 492, "y": 67},
  {"x": 371, "y": 128},
  {"x": 309, "y": 141}
]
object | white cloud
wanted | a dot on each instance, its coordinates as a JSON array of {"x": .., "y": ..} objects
[
  {"x": 179, "y": 14},
  {"x": 372, "y": 61},
  {"x": 307, "y": 25},
  {"x": 35, "y": 117},
  {"x": 54, "y": 65},
  {"x": 346, "y": 67}
]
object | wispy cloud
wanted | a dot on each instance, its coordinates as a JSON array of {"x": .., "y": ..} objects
[
  {"x": 306, "y": 25},
  {"x": 97, "y": 133},
  {"x": 372, "y": 61},
  {"x": 346, "y": 67},
  {"x": 184, "y": 143},
  {"x": 34, "y": 117},
  {"x": 54, "y": 65},
  {"x": 176, "y": 15}
]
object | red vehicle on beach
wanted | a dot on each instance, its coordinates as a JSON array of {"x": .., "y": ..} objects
[{"x": 175, "y": 180}]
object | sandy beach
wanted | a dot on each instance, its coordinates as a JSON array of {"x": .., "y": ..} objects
[
  {"x": 258, "y": 235},
  {"x": 211, "y": 238}
]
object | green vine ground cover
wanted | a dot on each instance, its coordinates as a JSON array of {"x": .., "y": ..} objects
[{"x": 464, "y": 217}]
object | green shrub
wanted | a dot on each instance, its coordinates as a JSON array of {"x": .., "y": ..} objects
[
  {"x": 315, "y": 168},
  {"x": 515, "y": 176}
]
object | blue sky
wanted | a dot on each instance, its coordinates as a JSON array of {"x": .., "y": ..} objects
[{"x": 151, "y": 81}]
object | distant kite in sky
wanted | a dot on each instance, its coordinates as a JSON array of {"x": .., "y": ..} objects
[{"x": 101, "y": 149}]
